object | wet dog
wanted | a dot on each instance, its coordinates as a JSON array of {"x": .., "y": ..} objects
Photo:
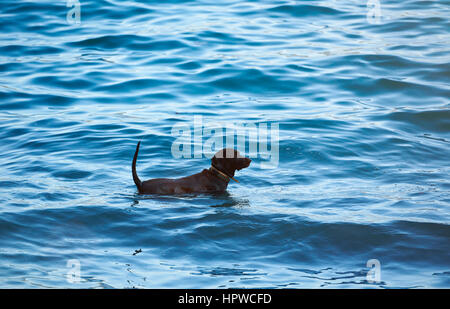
[{"x": 215, "y": 179}]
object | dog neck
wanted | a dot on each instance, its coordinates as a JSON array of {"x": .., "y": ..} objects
[{"x": 221, "y": 174}]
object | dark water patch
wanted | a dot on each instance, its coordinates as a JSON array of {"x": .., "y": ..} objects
[
  {"x": 18, "y": 50},
  {"x": 136, "y": 84},
  {"x": 190, "y": 65},
  {"x": 53, "y": 123},
  {"x": 431, "y": 121},
  {"x": 21, "y": 100},
  {"x": 255, "y": 81},
  {"x": 108, "y": 41},
  {"x": 132, "y": 42},
  {"x": 364, "y": 86},
  {"x": 71, "y": 83},
  {"x": 72, "y": 174},
  {"x": 223, "y": 38},
  {"x": 15, "y": 132},
  {"x": 304, "y": 10}
]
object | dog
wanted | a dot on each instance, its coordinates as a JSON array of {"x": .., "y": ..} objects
[{"x": 213, "y": 180}]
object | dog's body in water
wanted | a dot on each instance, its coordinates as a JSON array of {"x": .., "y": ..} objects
[{"x": 213, "y": 180}]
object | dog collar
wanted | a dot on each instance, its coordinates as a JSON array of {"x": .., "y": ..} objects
[{"x": 220, "y": 173}]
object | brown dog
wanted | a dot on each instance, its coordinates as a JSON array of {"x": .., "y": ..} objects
[{"x": 215, "y": 179}]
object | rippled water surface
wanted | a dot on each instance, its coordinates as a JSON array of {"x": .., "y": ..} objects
[{"x": 362, "y": 104}]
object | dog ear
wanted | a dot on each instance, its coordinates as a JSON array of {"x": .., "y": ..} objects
[
  {"x": 214, "y": 160},
  {"x": 220, "y": 163}
]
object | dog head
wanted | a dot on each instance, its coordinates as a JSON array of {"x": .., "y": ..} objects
[{"x": 229, "y": 160}]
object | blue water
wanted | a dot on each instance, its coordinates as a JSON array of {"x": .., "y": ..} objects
[{"x": 364, "y": 129}]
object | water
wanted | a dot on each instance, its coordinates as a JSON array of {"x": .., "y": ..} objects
[{"x": 362, "y": 104}]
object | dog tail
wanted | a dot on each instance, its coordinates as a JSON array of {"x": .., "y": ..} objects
[{"x": 136, "y": 179}]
